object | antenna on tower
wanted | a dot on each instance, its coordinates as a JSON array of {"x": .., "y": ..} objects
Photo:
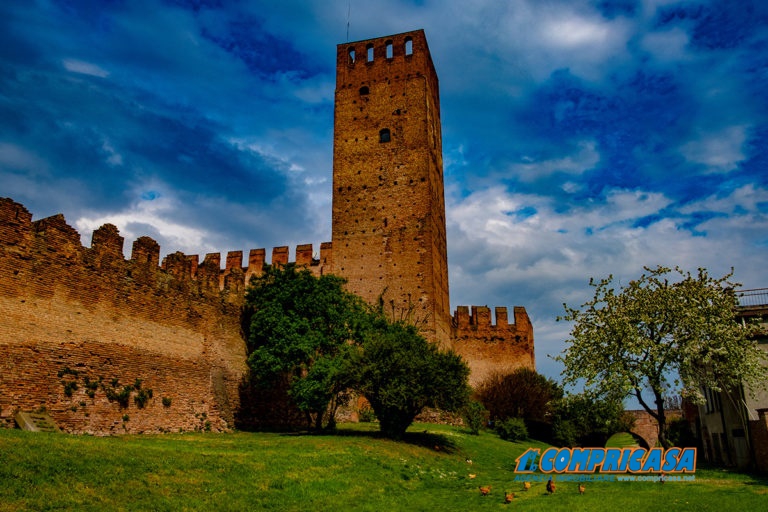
[{"x": 349, "y": 10}]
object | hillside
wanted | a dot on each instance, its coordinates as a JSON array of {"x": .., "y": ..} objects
[{"x": 353, "y": 470}]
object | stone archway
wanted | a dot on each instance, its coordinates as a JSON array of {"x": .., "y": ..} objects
[{"x": 647, "y": 428}]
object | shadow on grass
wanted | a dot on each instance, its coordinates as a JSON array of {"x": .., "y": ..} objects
[
  {"x": 424, "y": 438},
  {"x": 754, "y": 478}
]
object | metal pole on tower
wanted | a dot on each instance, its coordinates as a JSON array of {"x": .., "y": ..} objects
[{"x": 349, "y": 10}]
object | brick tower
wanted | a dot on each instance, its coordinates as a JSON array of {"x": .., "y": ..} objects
[{"x": 388, "y": 200}]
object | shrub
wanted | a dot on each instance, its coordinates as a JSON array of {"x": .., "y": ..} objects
[
  {"x": 366, "y": 415},
  {"x": 166, "y": 401},
  {"x": 69, "y": 387},
  {"x": 564, "y": 433},
  {"x": 512, "y": 429},
  {"x": 142, "y": 397},
  {"x": 475, "y": 416},
  {"x": 523, "y": 393}
]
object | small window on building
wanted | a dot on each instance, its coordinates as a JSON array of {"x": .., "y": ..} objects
[
  {"x": 389, "y": 49},
  {"x": 408, "y": 46},
  {"x": 364, "y": 90},
  {"x": 351, "y": 53},
  {"x": 384, "y": 135},
  {"x": 369, "y": 53}
]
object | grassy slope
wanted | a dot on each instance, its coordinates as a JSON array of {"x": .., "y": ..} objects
[{"x": 355, "y": 470}]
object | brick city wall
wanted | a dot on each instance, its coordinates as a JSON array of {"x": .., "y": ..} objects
[{"x": 80, "y": 324}]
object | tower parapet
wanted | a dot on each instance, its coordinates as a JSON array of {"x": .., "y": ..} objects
[{"x": 490, "y": 347}]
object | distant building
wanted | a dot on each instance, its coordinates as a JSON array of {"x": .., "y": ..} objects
[{"x": 733, "y": 426}]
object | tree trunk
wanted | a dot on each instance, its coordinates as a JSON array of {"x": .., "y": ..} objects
[{"x": 662, "y": 420}]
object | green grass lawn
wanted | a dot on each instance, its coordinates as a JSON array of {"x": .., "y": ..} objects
[
  {"x": 621, "y": 440},
  {"x": 353, "y": 470}
]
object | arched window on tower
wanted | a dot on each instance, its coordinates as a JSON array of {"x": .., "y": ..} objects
[
  {"x": 385, "y": 135},
  {"x": 369, "y": 52},
  {"x": 389, "y": 49},
  {"x": 409, "y": 45},
  {"x": 351, "y": 54}
]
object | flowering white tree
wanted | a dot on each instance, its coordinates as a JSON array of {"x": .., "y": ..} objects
[{"x": 668, "y": 332}]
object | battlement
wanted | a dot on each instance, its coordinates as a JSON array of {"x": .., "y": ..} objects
[
  {"x": 360, "y": 61},
  {"x": 492, "y": 347},
  {"x": 480, "y": 318},
  {"x": 53, "y": 238}
]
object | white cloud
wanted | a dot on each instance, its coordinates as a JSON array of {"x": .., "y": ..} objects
[
  {"x": 575, "y": 32},
  {"x": 84, "y": 68},
  {"x": 153, "y": 210},
  {"x": 114, "y": 157},
  {"x": 542, "y": 260},
  {"x": 585, "y": 159},
  {"x": 720, "y": 151}
]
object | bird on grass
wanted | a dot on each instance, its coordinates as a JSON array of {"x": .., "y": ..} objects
[
  {"x": 526, "y": 485},
  {"x": 582, "y": 488},
  {"x": 550, "y": 486},
  {"x": 508, "y": 497},
  {"x": 472, "y": 476},
  {"x": 485, "y": 490}
]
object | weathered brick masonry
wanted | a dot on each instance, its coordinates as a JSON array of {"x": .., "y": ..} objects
[
  {"x": 491, "y": 347},
  {"x": 389, "y": 233},
  {"x": 74, "y": 317}
]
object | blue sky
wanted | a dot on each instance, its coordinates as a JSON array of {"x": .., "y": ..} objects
[{"x": 581, "y": 138}]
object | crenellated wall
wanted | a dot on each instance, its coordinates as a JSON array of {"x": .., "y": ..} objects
[
  {"x": 81, "y": 325},
  {"x": 490, "y": 347}
]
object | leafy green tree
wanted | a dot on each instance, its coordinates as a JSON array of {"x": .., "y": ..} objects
[
  {"x": 400, "y": 373},
  {"x": 522, "y": 393},
  {"x": 302, "y": 326},
  {"x": 665, "y": 332}
]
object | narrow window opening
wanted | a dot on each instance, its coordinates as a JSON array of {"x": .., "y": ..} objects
[
  {"x": 369, "y": 53},
  {"x": 385, "y": 135},
  {"x": 364, "y": 90},
  {"x": 408, "y": 46},
  {"x": 389, "y": 49},
  {"x": 351, "y": 54}
]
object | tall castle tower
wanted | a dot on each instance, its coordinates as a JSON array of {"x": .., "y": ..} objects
[{"x": 388, "y": 200}]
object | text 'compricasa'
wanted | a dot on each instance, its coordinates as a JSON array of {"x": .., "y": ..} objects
[{"x": 607, "y": 460}]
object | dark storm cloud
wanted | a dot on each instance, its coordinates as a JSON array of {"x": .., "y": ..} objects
[{"x": 102, "y": 109}]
